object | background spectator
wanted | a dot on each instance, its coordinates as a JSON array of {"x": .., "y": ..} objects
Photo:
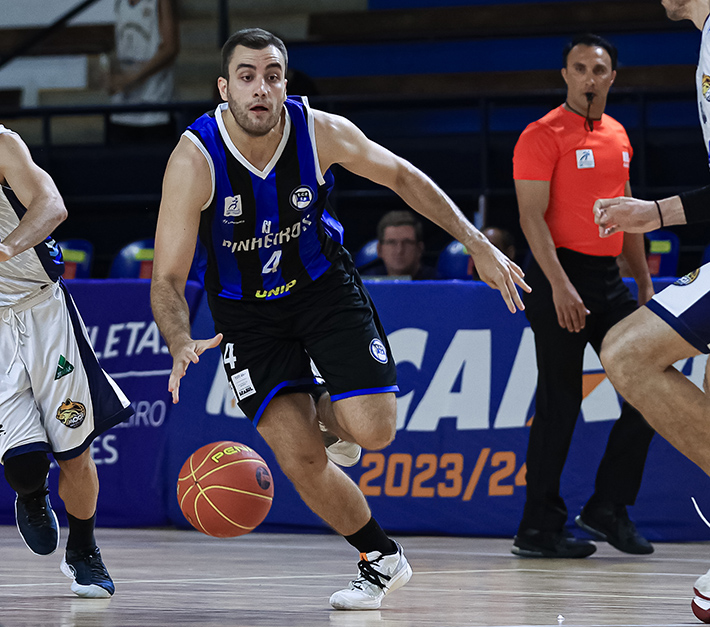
[
  {"x": 399, "y": 248},
  {"x": 147, "y": 43}
]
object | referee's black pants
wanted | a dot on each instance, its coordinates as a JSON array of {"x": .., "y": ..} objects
[{"x": 560, "y": 356}]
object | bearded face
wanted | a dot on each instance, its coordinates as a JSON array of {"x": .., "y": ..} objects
[{"x": 256, "y": 89}]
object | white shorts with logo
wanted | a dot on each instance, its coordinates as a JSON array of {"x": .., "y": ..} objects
[
  {"x": 685, "y": 306},
  {"x": 54, "y": 396}
]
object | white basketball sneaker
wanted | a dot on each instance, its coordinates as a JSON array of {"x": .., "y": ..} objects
[
  {"x": 339, "y": 451},
  {"x": 379, "y": 575},
  {"x": 701, "y": 602}
]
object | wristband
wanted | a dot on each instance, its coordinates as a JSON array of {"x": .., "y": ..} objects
[
  {"x": 696, "y": 205},
  {"x": 660, "y": 215}
]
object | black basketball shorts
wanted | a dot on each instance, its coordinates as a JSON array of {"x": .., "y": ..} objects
[{"x": 268, "y": 346}]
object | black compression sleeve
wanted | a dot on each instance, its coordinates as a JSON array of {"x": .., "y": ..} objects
[{"x": 696, "y": 205}]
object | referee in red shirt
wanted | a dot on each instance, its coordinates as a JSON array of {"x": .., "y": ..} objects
[{"x": 562, "y": 163}]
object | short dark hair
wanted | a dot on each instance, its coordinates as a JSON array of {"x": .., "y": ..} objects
[
  {"x": 254, "y": 38},
  {"x": 399, "y": 218},
  {"x": 506, "y": 237},
  {"x": 589, "y": 39}
]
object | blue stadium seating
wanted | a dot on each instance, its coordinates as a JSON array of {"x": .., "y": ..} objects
[
  {"x": 134, "y": 261},
  {"x": 366, "y": 254},
  {"x": 663, "y": 253},
  {"x": 454, "y": 262},
  {"x": 78, "y": 255}
]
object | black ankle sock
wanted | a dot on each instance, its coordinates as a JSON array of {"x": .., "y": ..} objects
[
  {"x": 372, "y": 538},
  {"x": 81, "y": 533}
]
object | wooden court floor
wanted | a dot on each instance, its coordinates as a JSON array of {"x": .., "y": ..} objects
[{"x": 168, "y": 577}]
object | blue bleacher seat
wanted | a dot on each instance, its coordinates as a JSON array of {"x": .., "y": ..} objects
[
  {"x": 78, "y": 255},
  {"x": 366, "y": 254},
  {"x": 663, "y": 253},
  {"x": 134, "y": 261},
  {"x": 454, "y": 262}
]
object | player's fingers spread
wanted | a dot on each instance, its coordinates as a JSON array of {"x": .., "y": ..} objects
[
  {"x": 508, "y": 301},
  {"x": 174, "y": 386},
  {"x": 518, "y": 279},
  {"x": 191, "y": 355},
  {"x": 176, "y": 394},
  {"x": 517, "y": 298}
]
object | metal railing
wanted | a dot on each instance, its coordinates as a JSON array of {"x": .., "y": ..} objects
[{"x": 43, "y": 33}]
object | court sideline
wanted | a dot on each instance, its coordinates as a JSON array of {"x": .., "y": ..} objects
[{"x": 174, "y": 577}]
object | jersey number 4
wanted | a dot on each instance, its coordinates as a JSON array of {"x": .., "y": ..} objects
[
  {"x": 272, "y": 263},
  {"x": 228, "y": 357}
]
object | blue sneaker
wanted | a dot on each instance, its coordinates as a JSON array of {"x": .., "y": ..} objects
[
  {"x": 86, "y": 568},
  {"x": 37, "y": 522}
]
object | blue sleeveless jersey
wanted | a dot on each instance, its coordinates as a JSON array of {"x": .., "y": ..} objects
[{"x": 265, "y": 234}]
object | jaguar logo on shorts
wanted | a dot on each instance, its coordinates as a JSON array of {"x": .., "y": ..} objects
[
  {"x": 71, "y": 413},
  {"x": 706, "y": 87},
  {"x": 378, "y": 351},
  {"x": 2, "y": 430},
  {"x": 301, "y": 197},
  {"x": 688, "y": 278}
]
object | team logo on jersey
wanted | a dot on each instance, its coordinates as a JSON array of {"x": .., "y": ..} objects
[
  {"x": 706, "y": 87},
  {"x": 301, "y": 197},
  {"x": 63, "y": 368},
  {"x": 585, "y": 159},
  {"x": 688, "y": 278},
  {"x": 378, "y": 351},
  {"x": 233, "y": 206},
  {"x": 242, "y": 385},
  {"x": 627, "y": 159},
  {"x": 71, "y": 413}
]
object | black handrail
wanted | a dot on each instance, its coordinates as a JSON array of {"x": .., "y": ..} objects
[{"x": 41, "y": 35}]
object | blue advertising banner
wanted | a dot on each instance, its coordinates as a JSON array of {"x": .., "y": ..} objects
[
  {"x": 130, "y": 458},
  {"x": 467, "y": 379}
]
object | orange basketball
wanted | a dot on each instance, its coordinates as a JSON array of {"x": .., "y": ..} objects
[{"x": 225, "y": 489}]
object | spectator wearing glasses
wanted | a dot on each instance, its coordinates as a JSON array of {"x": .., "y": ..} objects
[{"x": 400, "y": 247}]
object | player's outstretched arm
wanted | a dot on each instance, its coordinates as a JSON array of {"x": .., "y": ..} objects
[
  {"x": 636, "y": 216},
  {"x": 37, "y": 192},
  {"x": 187, "y": 187},
  {"x": 340, "y": 141}
]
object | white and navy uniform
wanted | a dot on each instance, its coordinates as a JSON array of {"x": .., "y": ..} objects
[
  {"x": 685, "y": 305},
  {"x": 281, "y": 287},
  {"x": 54, "y": 396}
]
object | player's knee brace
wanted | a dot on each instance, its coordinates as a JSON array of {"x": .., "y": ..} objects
[{"x": 26, "y": 473}]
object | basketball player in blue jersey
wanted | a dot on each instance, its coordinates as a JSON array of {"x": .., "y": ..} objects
[
  {"x": 252, "y": 180},
  {"x": 54, "y": 396},
  {"x": 639, "y": 352}
]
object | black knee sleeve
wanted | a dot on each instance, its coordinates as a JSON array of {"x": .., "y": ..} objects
[{"x": 26, "y": 473}]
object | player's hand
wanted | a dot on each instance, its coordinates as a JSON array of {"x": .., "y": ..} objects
[
  {"x": 625, "y": 214},
  {"x": 500, "y": 273},
  {"x": 571, "y": 311},
  {"x": 118, "y": 82},
  {"x": 189, "y": 353}
]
